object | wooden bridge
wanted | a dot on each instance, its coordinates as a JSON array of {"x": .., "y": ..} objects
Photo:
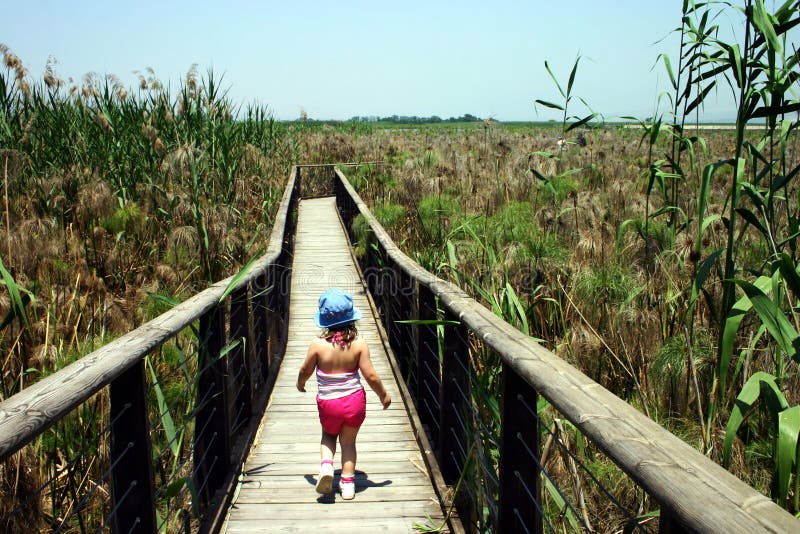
[
  {"x": 393, "y": 488},
  {"x": 235, "y": 447}
]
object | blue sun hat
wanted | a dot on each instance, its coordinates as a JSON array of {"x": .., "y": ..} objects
[{"x": 335, "y": 309}]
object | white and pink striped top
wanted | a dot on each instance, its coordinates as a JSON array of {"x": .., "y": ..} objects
[{"x": 336, "y": 385}]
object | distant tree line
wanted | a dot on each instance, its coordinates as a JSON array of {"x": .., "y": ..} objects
[{"x": 413, "y": 119}]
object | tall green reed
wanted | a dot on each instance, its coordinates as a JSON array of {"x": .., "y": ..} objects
[
  {"x": 145, "y": 165},
  {"x": 761, "y": 73}
]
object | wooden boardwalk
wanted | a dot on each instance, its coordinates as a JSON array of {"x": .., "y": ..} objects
[{"x": 393, "y": 487}]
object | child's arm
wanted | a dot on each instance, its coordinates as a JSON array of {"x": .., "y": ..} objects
[
  {"x": 371, "y": 376},
  {"x": 307, "y": 368}
]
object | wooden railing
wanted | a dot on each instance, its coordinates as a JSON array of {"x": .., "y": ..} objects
[
  {"x": 694, "y": 493},
  {"x": 240, "y": 329}
]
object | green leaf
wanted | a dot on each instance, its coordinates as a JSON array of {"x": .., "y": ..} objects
[
  {"x": 518, "y": 307},
  {"x": 633, "y": 524},
  {"x": 789, "y": 273},
  {"x": 572, "y": 76},
  {"x": 224, "y": 351},
  {"x": 195, "y": 496},
  {"x": 541, "y": 405},
  {"x": 18, "y": 301},
  {"x": 547, "y": 104},
  {"x": 452, "y": 258},
  {"x": 735, "y": 62},
  {"x": 703, "y": 272},
  {"x": 238, "y": 276},
  {"x": 708, "y": 173},
  {"x": 760, "y": 384},
  {"x": 161, "y": 525},
  {"x": 561, "y": 505},
  {"x": 773, "y": 318},
  {"x": 732, "y": 322},
  {"x": 755, "y": 151},
  {"x": 555, "y": 80},
  {"x": 699, "y": 98},
  {"x": 581, "y": 122},
  {"x": 751, "y": 218},
  {"x": 786, "y": 450},
  {"x": 782, "y": 179},
  {"x": 775, "y": 110},
  {"x": 175, "y": 487},
  {"x": 17, "y": 310},
  {"x": 761, "y": 20},
  {"x": 169, "y": 301},
  {"x": 708, "y": 220},
  {"x": 541, "y": 176},
  {"x": 668, "y": 67},
  {"x": 163, "y": 409}
]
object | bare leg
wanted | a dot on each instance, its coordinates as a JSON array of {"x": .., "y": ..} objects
[
  {"x": 327, "y": 446},
  {"x": 347, "y": 438}
]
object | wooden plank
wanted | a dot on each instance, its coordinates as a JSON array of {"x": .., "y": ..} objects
[
  {"x": 354, "y": 510},
  {"x": 376, "y": 433},
  {"x": 368, "y": 461},
  {"x": 376, "y": 525},
  {"x": 393, "y": 488},
  {"x": 309, "y": 464},
  {"x": 407, "y": 443},
  {"x": 362, "y": 480},
  {"x": 314, "y": 423},
  {"x": 291, "y": 495}
]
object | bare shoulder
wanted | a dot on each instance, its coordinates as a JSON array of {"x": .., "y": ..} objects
[
  {"x": 317, "y": 344},
  {"x": 359, "y": 343}
]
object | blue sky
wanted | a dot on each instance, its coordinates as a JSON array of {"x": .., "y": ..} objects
[{"x": 340, "y": 59}]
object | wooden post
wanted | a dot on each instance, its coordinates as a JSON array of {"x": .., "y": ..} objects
[
  {"x": 238, "y": 365},
  {"x": 132, "y": 494},
  {"x": 373, "y": 272},
  {"x": 277, "y": 310},
  {"x": 283, "y": 291},
  {"x": 298, "y": 182},
  {"x": 428, "y": 364},
  {"x": 262, "y": 336},
  {"x": 668, "y": 523},
  {"x": 412, "y": 361},
  {"x": 403, "y": 332},
  {"x": 519, "y": 473},
  {"x": 388, "y": 285},
  {"x": 212, "y": 439},
  {"x": 455, "y": 413}
]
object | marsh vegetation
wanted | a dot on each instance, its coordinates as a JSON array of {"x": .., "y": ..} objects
[{"x": 660, "y": 260}]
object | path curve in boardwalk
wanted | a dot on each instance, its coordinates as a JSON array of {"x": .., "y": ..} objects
[{"x": 393, "y": 487}]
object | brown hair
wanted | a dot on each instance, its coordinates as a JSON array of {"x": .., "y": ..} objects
[{"x": 348, "y": 333}]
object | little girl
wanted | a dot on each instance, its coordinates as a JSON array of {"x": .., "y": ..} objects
[{"x": 338, "y": 355}]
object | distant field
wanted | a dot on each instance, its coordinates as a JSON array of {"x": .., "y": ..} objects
[{"x": 506, "y": 125}]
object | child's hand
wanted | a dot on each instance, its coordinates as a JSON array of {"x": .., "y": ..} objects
[
  {"x": 386, "y": 400},
  {"x": 301, "y": 387}
]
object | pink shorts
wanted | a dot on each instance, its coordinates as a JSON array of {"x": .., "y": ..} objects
[{"x": 350, "y": 410}]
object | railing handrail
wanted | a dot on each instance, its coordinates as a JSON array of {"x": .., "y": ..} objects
[
  {"x": 33, "y": 410},
  {"x": 696, "y": 492}
]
